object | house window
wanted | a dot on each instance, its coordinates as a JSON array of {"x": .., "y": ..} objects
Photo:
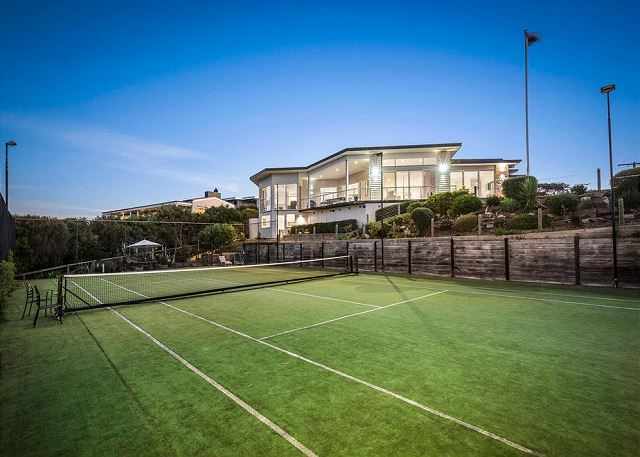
[
  {"x": 265, "y": 222},
  {"x": 265, "y": 198},
  {"x": 287, "y": 196},
  {"x": 291, "y": 220}
]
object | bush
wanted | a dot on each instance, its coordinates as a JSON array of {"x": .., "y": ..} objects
[
  {"x": 509, "y": 205},
  {"x": 344, "y": 226},
  {"x": 7, "y": 272},
  {"x": 465, "y": 204},
  {"x": 422, "y": 218},
  {"x": 527, "y": 221},
  {"x": 493, "y": 201},
  {"x": 511, "y": 187},
  {"x": 627, "y": 186},
  {"x": 500, "y": 231},
  {"x": 249, "y": 213},
  {"x": 217, "y": 237},
  {"x": 440, "y": 203},
  {"x": 392, "y": 209},
  {"x": 417, "y": 204},
  {"x": 579, "y": 189},
  {"x": 528, "y": 195},
  {"x": 466, "y": 223},
  {"x": 446, "y": 224},
  {"x": 563, "y": 204},
  {"x": 576, "y": 221}
]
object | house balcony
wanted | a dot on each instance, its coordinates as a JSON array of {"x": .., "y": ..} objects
[{"x": 366, "y": 194}]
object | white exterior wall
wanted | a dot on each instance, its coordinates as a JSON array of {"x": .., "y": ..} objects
[{"x": 363, "y": 213}]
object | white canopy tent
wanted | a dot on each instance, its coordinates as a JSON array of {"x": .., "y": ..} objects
[{"x": 144, "y": 247}]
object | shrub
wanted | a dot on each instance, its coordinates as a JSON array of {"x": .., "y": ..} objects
[
  {"x": 393, "y": 210},
  {"x": 527, "y": 221},
  {"x": 493, "y": 201},
  {"x": 575, "y": 220},
  {"x": 500, "y": 231},
  {"x": 509, "y": 205},
  {"x": 563, "y": 204},
  {"x": 372, "y": 229},
  {"x": 465, "y": 223},
  {"x": 528, "y": 195},
  {"x": 440, "y": 203},
  {"x": 579, "y": 189},
  {"x": 422, "y": 218},
  {"x": 7, "y": 272},
  {"x": 249, "y": 213},
  {"x": 446, "y": 224},
  {"x": 465, "y": 203},
  {"x": 511, "y": 187},
  {"x": 218, "y": 237},
  {"x": 417, "y": 204},
  {"x": 627, "y": 186}
]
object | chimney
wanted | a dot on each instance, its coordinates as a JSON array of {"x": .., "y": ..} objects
[{"x": 215, "y": 193}]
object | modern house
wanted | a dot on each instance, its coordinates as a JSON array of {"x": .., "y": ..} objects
[
  {"x": 354, "y": 182},
  {"x": 196, "y": 205}
]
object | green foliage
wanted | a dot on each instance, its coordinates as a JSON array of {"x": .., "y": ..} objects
[
  {"x": 465, "y": 204},
  {"x": 465, "y": 223},
  {"x": 627, "y": 186},
  {"x": 509, "y": 205},
  {"x": 552, "y": 188},
  {"x": 372, "y": 229},
  {"x": 446, "y": 224},
  {"x": 562, "y": 204},
  {"x": 7, "y": 273},
  {"x": 500, "y": 231},
  {"x": 511, "y": 187},
  {"x": 217, "y": 237},
  {"x": 579, "y": 189},
  {"x": 344, "y": 226},
  {"x": 528, "y": 195},
  {"x": 40, "y": 243},
  {"x": 576, "y": 220},
  {"x": 527, "y": 221},
  {"x": 417, "y": 204},
  {"x": 440, "y": 203},
  {"x": 422, "y": 219},
  {"x": 392, "y": 209},
  {"x": 493, "y": 201},
  {"x": 223, "y": 215},
  {"x": 249, "y": 213}
]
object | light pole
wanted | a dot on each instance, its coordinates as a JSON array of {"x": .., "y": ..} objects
[
  {"x": 529, "y": 39},
  {"x": 607, "y": 90},
  {"x": 6, "y": 170}
]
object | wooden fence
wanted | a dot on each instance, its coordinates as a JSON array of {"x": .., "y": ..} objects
[{"x": 561, "y": 260}]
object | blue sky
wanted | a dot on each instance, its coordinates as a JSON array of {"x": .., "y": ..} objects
[{"x": 115, "y": 104}]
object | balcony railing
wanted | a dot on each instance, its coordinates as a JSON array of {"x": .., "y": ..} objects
[{"x": 366, "y": 194}]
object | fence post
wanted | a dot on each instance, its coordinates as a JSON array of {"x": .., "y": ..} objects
[
  {"x": 301, "y": 256},
  {"x": 336, "y": 231},
  {"x": 432, "y": 227},
  {"x": 576, "y": 254},
  {"x": 375, "y": 256},
  {"x": 620, "y": 211},
  {"x": 506, "y": 259},
  {"x": 314, "y": 233},
  {"x": 322, "y": 254},
  {"x": 453, "y": 260},
  {"x": 479, "y": 224},
  {"x": 540, "y": 219},
  {"x": 409, "y": 256},
  {"x": 257, "y": 245}
]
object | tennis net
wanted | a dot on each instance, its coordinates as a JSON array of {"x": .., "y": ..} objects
[{"x": 85, "y": 291}]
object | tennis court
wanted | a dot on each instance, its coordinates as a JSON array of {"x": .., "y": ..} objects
[{"x": 345, "y": 364}]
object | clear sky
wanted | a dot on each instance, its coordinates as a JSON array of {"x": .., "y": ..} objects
[{"x": 116, "y": 104}]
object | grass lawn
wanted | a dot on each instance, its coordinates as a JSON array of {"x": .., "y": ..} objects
[{"x": 353, "y": 365}]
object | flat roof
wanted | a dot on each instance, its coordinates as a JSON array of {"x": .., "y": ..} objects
[
  {"x": 153, "y": 205},
  {"x": 475, "y": 161},
  {"x": 356, "y": 149}
]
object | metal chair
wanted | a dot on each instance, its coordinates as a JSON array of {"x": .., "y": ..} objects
[
  {"x": 47, "y": 304},
  {"x": 28, "y": 298}
]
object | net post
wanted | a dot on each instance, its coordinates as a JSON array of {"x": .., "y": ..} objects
[
  {"x": 453, "y": 260},
  {"x": 322, "y": 254},
  {"x": 506, "y": 259},
  {"x": 576, "y": 253},
  {"x": 375, "y": 256},
  {"x": 60, "y": 301},
  {"x": 409, "y": 256}
]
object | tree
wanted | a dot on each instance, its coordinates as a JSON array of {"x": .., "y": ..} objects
[
  {"x": 465, "y": 204},
  {"x": 528, "y": 195},
  {"x": 627, "y": 186},
  {"x": 511, "y": 186},
  {"x": 440, "y": 203},
  {"x": 217, "y": 236},
  {"x": 222, "y": 215},
  {"x": 421, "y": 218},
  {"x": 249, "y": 213},
  {"x": 579, "y": 189}
]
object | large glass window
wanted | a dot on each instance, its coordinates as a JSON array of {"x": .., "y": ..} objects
[
  {"x": 471, "y": 181},
  {"x": 291, "y": 220},
  {"x": 415, "y": 183},
  {"x": 287, "y": 196},
  {"x": 265, "y": 198},
  {"x": 486, "y": 183},
  {"x": 456, "y": 180}
]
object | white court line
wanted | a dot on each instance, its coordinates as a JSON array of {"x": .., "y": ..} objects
[
  {"x": 265, "y": 420},
  {"x": 464, "y": 291},
  {"x": 390, "y": 393},
  {"x": 350, "y": 315}
]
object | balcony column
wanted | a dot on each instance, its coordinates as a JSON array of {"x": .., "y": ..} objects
[
  {"x": 346, "y": 180},
  {"x": 443, "y": 172}
]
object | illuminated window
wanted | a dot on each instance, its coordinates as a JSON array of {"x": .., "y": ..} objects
[
  {"x": 265, "y": 198},
  {"x": 291, "y": 220},
  {"x": 265, "y": 222}
]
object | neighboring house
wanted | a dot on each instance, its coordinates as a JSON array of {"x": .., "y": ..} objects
[
  {"x": 242, "y": 202},
  {"x": 196, "y": 205},
  {"x": 352, "y": 183}
]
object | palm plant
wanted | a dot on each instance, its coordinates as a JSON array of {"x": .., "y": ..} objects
[{"x": 529, "y": 194}]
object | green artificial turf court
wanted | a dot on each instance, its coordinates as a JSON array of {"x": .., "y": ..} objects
[{"x": 366, "y": 364}]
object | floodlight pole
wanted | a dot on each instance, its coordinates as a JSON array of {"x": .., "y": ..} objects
[
  {"x": 526, "y": 97},
  {"x": 6, "y": 170},
  {"x": 607, "y": 90}
]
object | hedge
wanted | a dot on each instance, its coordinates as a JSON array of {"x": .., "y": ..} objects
[
  {"x": 392, "y": 209},
  {"x": 529, "y": 221},
  {"x": 466, "y": 223},
  {"x": 344, "y": 226}
]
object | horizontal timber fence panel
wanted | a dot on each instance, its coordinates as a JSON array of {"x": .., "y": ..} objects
[{"x": 560, "y": 260}]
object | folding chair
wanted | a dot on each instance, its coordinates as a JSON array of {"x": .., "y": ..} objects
[
  {"x": 47, "y": 304},
  {"x": 223, "y": 261},
  {"x": 28, "y": 298}
]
